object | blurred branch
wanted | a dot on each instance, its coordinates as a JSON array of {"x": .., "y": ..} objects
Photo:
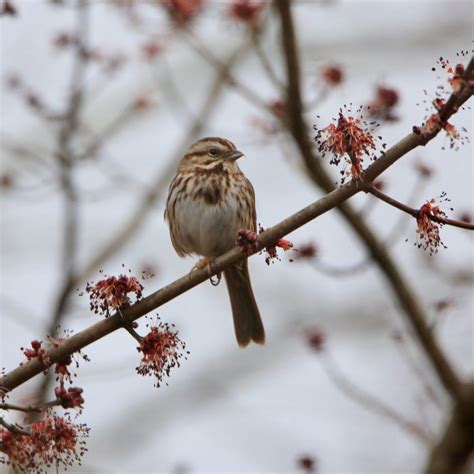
[
  {"x": 196, "y": 44},
  {"x": 67, "y": 161},
  {"x": 167, "y": 83},
  {"x": 13, "y": 428},
  {"x": 451, "y": 454},
  {"x": 419, "y": 371},
  {"x": 264, "y": 61},
  {"x": 346, "y": 271},
  {"x": 415, "y": 212},
  {"x": 370, "y": 402},
  {"x": 108, "y": 131},
  {"x": 19, "y": 314}
]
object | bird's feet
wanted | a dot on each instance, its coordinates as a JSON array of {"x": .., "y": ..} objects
[{"x": 206, "y": 262}]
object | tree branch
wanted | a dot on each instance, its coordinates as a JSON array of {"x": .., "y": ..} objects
[
  {"x": 30, "y": 408},
  {"x": 415, "y": 212},
  {"x": 370, "y": 402},
  {"x": 452, "y": 452},
  {"x": 335, "y": 198},
  {"x": 13, "y": 428}
]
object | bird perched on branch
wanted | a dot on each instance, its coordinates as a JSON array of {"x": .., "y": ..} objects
[{"x": 209, "y": 200}]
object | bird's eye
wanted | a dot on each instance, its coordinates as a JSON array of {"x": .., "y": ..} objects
[{"x": 213, "y": 151}]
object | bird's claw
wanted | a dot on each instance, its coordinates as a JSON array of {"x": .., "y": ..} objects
[
  {"x": 217, "y": 280},
  {"x": 206, "y": 262}
]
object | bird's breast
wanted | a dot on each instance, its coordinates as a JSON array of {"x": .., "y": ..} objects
[{"x": 208, "y": 218}]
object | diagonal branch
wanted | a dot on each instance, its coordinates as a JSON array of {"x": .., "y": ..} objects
[{"x": 333, "y": 199}]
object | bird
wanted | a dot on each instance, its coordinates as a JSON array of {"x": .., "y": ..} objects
[{"x": 209, "y": 201}]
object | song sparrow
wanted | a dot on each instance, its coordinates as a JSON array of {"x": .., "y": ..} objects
[{"x": 209, "y": 200}]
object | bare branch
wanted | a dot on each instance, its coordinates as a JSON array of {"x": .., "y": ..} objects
[{"x": 370, "y": 402}]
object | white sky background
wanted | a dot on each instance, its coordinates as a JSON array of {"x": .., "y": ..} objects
[{"x": 226, "y": 409}]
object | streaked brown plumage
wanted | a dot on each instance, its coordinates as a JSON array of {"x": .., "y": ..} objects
[{"x": 209, "y": 200}]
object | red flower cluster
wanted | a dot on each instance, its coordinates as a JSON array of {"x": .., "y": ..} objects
[
  {"x": 36, "y": 351},
  {"x": 161, "y": 351},
  {"x": 423, "y": 170},
  {"x": 383, "y": 104},
  {"x": 53, "y": 441},
  {"x": 8, "y": 8},
  {"x": 142, "y": 102},
  {"x": 247, "y": 241},
  {"x": 428, "y": 229},
  {"x": 70, "y": 398},
  {"x": 271, "y": 250},
  {"x": 456, "y": 73},
  {"x": 279, "y": 108},
  {"x": 112, "y": 293},
  {"x": 316, "y": 339},
  {"x": 348, "y": 138},
  {"x": 307, "y": 464},
  {"x": 433, "y": 124},
  {"x": 247, "y": 11},
  {"x": 65, "y": 39},
  {"x": 7, "y": 181},
  {"x": 151, "y": 49},
  {"x": 183, "y": 11},
  {"x": 332, "y": 75},
  {"x": 62, "y": 367},
  {"x": 307, "y": 251},
  {"x": 456, "y": 80}
]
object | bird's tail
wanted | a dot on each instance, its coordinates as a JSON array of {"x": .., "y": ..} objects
[{"x": 248, "y": 325}]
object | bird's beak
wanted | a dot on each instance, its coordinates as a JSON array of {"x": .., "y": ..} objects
[{"x": 233, "y": 155}]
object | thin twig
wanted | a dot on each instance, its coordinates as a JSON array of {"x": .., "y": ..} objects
[
  {"x": 415, "y": 212},
  {"x": 13, "y": 428},
  {"x": 244, "y": 90},
  {"x": 370, "y": 402},
  {"x": 30, "y": 408},
  {"x": 265, "y": 62},
  {"x": 400, "y": 226},
  {"x": 67, "y": 160}
]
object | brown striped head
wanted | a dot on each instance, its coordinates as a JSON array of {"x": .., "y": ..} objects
[{"x": 210, "y": 152}]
